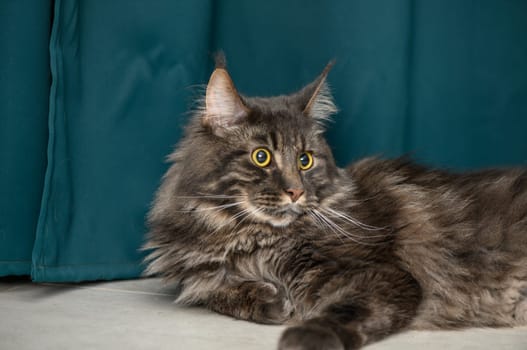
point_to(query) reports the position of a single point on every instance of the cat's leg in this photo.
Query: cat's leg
(255, 301)
(356, 310)
(520, 311)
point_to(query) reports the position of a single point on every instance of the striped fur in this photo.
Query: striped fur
(367, 251)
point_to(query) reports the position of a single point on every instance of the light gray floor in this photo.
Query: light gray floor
(140, 315)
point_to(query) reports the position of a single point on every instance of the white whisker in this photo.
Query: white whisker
(217, 208)
(211, 196)
(249, 213)
(321, 224)
(352, 220)
(231, 219)
(336, 228)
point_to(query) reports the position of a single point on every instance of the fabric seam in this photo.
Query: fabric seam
(56, 70)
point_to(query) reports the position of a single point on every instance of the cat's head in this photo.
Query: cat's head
(256, 159)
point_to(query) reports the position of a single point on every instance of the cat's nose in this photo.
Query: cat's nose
(294, 193)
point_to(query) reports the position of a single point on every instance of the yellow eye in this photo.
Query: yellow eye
(305, 160)
(261, 157)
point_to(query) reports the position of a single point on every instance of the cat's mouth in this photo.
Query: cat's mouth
(290, 209)
(279, 217)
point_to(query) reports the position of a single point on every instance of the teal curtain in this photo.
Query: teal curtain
(24, 93)
(94, 94)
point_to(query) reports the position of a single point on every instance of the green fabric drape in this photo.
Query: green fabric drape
(120, 72)
(24, 92)
(443, 81)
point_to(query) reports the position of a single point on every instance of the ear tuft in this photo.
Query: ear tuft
(220, 60)
(224, 108)
(321, 105)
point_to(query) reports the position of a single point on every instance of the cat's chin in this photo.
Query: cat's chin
(281, 218)
(282, 222)
(277, 221)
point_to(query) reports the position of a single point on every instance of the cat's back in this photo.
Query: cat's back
(463, 236)
(484, 208)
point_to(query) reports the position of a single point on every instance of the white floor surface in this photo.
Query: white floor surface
(139, 314)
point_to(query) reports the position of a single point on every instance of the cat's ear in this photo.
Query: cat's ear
(224, 109)
(317, 99)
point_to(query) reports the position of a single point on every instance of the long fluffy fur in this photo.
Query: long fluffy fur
(368, 251)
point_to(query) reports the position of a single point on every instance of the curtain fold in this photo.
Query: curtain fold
(24, 92)
(443, 81)
(120, 75)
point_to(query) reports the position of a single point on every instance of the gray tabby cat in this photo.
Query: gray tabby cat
(254, 220)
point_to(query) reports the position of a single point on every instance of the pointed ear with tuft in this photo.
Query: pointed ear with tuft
(224, 109)
(317, 99)
(220, 60)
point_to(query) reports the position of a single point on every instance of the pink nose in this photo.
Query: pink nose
(294, 193)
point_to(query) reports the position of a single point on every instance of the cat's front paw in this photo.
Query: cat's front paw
(267, 303)
(309, 337)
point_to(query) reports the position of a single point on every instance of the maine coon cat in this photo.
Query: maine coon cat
(254, 220)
